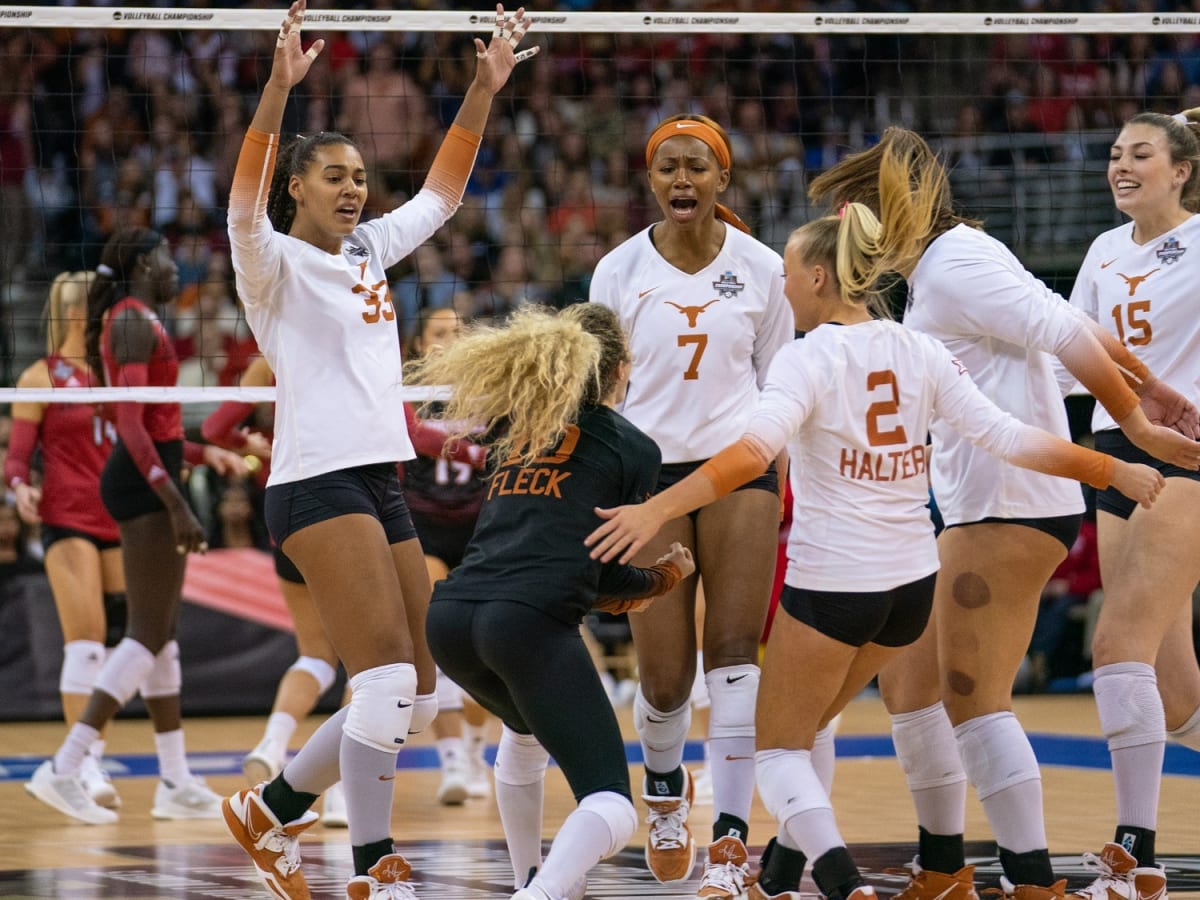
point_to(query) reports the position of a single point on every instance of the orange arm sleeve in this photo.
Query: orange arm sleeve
(453, 164)
(735, 465)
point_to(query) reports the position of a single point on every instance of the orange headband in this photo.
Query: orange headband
(691, 128)
(711, 137)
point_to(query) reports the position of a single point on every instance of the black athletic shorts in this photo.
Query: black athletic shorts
(443, 539)
(285, 568)
(125, 493)
(1115, 443)
(892, 618)
(1062, 528)
(673, 473)
(52, 534)
(372, 490)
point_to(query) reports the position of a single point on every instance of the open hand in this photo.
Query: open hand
(291, 62)
(498, 58)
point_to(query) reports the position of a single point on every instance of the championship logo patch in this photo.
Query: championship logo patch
(1170, 251)
(728, 285)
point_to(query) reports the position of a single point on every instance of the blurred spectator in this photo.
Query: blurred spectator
(508, 287)
(430, 285)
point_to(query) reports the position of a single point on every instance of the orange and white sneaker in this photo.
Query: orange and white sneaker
(1119, 877)
(670, 847)
(388, 879)
(755, 892)
(925, 884)
(727, 870)
(273, 847)
(1056, 891)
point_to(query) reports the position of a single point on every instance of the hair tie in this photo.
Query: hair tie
(841, 213)
(102, 269)
(1181, 118)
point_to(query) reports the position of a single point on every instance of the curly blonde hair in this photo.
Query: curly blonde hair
(523, 382)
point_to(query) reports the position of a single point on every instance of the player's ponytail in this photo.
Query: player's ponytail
(1183, 140)
(523, 382)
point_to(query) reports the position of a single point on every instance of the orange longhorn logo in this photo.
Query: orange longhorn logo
(692, 312)
(1135, 280)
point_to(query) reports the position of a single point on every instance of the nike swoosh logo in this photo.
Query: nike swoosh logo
(729, 758)
(387, 777)
(400, 704)
(654, 720)
(1105, 265)
(648, 291)
(684, 124)
(730, 679)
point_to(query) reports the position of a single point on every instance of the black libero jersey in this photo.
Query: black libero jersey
(528, 542)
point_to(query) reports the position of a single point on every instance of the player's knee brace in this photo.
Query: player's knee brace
(165, 679)
(125, 670)
(995, 753)
(660, 730)
(322, 672)
(1188, 734)
(449, 694)
(1130, 708)
(926, 749)
(425, 710)
(733, 691)
(618, 814)
(82, 662)
(520, 759)
(381, 706)
(788, 783)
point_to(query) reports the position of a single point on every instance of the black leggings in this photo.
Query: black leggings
(535, 673)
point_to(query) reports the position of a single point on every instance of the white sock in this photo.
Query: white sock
(583, 841)
(96, 751)
(823, 758)
(1132, 718)
(280, 728)
(74, 748)
(450, 748)
(172, 757)
(1001, 765)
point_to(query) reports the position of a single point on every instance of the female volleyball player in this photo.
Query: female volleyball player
(80, 539)
(702, 302)
(142, 490)
(1138, 282)
(1007, 528)
(852, 403)
(505, 624)
(312, 277)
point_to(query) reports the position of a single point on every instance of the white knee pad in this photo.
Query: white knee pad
(166, 678)
(425, 710)
(699, 698)
(733, 691)
(788, 783)
(660, 730)
(82, 662)
(449, 694)
(1188, 734)
(127, 666)
(618, 814)
(926, 749)
(995, 753)
(381, 706)
(1130, 707)
(520, 759)
(322, 672)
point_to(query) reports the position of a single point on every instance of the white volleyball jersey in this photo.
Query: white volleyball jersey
(1146, 296)
(701, 343)
(853, 405)
(326, 325)
(971, 293)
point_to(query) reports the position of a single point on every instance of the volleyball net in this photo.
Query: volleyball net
(113, 116)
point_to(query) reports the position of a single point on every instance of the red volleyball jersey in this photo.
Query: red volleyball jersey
(163, 421)
(75, 443)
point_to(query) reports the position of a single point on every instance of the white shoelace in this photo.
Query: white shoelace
(394, 890)
(727, 876)
(668, 831)
(1105, 878)
(277, 841)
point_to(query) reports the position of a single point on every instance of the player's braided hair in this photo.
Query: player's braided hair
(294, 159)
(113, 277)
(523, 382)
(68, 289)
(1183, 141)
